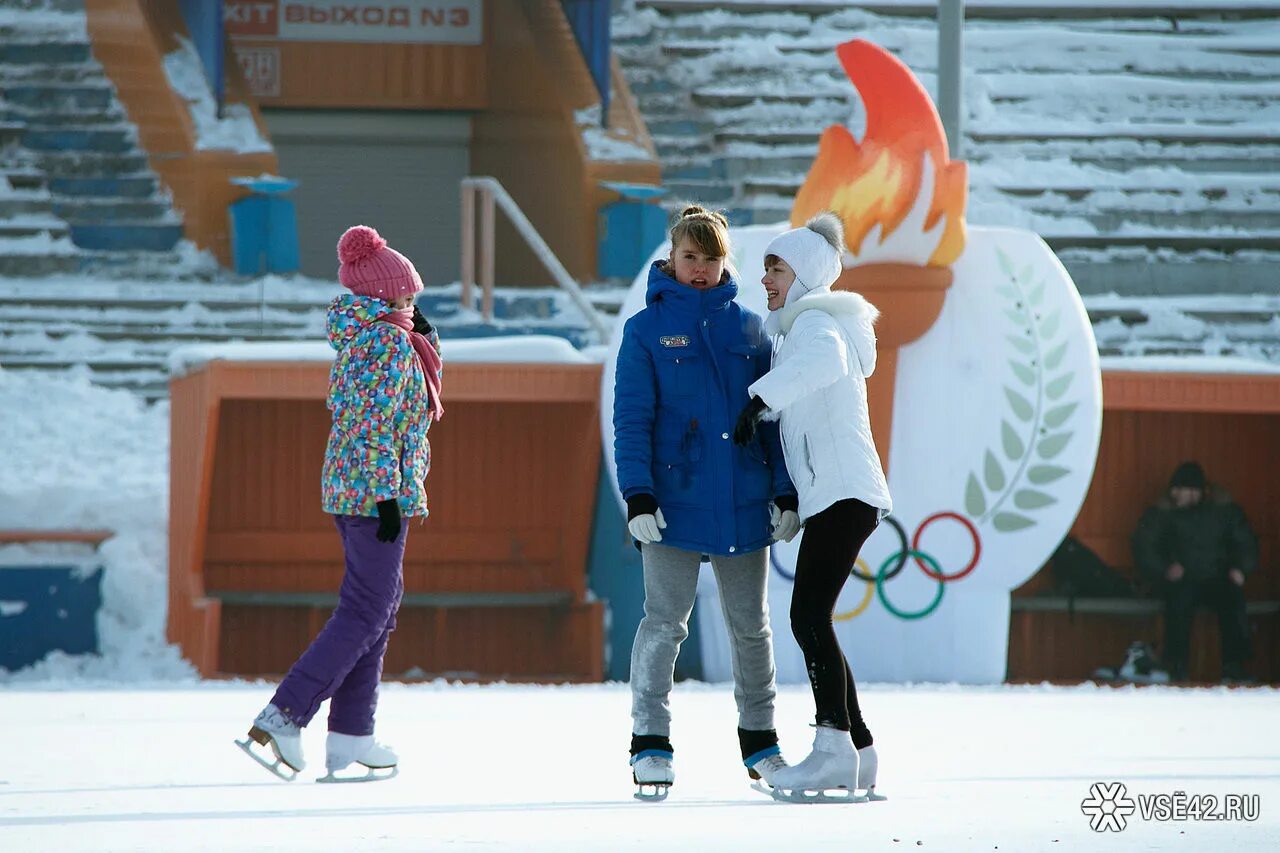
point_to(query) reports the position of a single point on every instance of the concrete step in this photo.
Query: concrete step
(15, 265)
(146, 266)
(15, 207)
(32, 226)
(115, 140)
(89, 163)
(1134, 271)
(44, 53)
(59, 96)
(86, 73)
(706, 191)
(81, 209)
(118, 186)
(21, 178)
(154, 236)
(108, 119)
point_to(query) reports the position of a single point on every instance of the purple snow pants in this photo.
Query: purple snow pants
(344, 662)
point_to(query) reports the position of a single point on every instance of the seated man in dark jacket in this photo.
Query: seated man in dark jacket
(1197, 546)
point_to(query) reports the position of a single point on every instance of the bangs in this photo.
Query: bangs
(709, 237)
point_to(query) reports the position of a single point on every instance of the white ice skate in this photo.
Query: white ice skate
(341, 751)
(762, 767)
(273, 729)
(868, 763)
(653, 774)
(828, 775)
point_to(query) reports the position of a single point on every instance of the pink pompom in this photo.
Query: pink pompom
(358, 243)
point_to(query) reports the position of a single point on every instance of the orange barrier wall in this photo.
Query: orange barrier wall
(495, 579)
(130, 38)
(1151, 422)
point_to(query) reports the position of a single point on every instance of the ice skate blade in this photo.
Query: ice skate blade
(873, 797)
(279, 769)
(651, 792)
(374, 774)
(814, 796)
(763, 788)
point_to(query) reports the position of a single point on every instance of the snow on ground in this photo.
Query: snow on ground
(79, 456)
(545, 769)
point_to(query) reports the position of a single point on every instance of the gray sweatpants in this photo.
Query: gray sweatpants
(670, 583)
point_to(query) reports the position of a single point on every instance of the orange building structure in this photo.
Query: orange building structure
(495, 579)
(382, 131)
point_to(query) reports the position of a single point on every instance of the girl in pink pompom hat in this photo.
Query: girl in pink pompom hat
(384, 394)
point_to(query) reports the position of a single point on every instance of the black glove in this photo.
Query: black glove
(420, 324)
(745, 430)
(388, 520)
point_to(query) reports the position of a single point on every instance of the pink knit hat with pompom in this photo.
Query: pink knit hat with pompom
(372, 268)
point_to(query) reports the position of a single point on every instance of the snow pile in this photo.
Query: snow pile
(514, 349)
(236, 131)
(80, 457)
(615, 145)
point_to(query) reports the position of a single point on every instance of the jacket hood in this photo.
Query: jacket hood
(665, 289)
(852, 311)
(349, 314)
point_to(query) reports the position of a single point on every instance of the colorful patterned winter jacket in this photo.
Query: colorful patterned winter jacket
(378, 446)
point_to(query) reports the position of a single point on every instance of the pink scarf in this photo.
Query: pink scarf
(427, 354)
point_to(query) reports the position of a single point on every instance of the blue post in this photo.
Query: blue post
(590, 22)
(205, 24)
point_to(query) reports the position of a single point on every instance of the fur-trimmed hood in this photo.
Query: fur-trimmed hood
(852, 311)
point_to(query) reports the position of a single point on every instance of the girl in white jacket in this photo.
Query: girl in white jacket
(817, 388)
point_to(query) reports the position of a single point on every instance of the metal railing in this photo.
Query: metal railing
(491, 194)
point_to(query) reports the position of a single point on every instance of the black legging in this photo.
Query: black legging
(832, 540)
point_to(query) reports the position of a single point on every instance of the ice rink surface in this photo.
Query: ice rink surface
(545, 769)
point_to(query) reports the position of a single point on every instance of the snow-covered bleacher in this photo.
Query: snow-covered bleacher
(1141, 139)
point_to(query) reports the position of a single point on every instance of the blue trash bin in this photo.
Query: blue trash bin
(264, 227)
(629, 229)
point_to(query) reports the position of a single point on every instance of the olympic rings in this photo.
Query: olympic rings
(930, 607)
(901, 555)
(867, 590)
(838, 617)
(927, 563)
(939, 575)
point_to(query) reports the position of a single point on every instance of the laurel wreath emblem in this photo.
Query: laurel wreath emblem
(1035, 429)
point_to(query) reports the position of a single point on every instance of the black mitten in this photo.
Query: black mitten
(388, 520)
(420, 324)
(745, 430)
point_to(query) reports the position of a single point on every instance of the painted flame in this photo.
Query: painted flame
(876, 182)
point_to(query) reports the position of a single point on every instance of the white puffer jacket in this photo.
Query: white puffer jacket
(818, 389)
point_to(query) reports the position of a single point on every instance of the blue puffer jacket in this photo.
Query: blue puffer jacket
(683, 370)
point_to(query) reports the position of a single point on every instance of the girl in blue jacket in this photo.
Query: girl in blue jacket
(684, 366)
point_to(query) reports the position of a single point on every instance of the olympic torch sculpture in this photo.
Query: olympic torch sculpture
(985, 404)
(902, 201)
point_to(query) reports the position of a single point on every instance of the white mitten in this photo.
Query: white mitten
(786, 523)
(646, 528)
